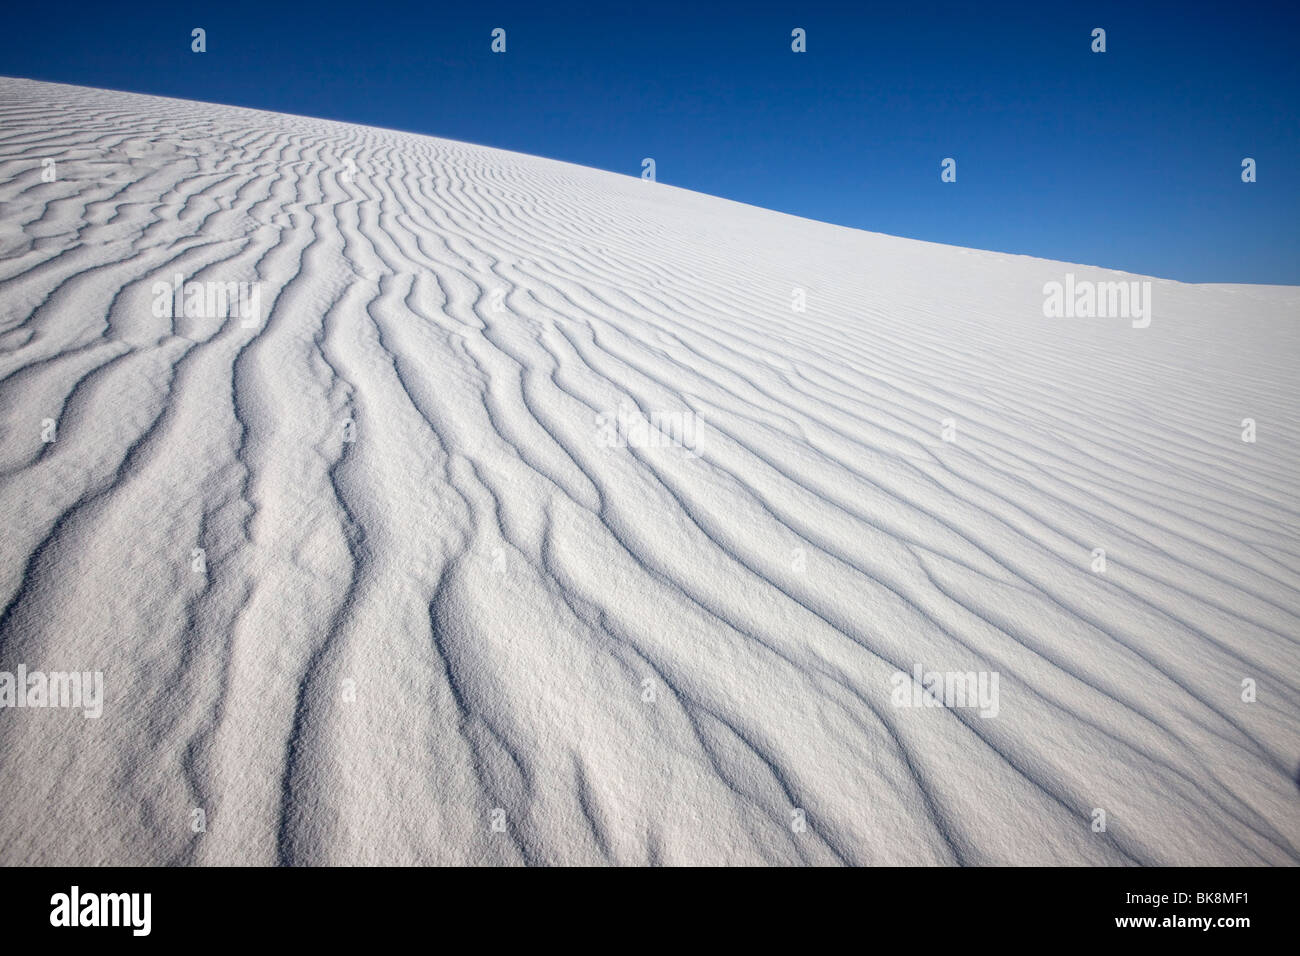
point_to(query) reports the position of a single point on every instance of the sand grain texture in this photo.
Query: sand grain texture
(498, 584)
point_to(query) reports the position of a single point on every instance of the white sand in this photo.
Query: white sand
(388, 638)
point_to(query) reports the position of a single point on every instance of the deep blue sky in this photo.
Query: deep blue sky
(1129, 159)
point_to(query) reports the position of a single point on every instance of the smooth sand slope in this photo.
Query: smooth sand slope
(455, 601)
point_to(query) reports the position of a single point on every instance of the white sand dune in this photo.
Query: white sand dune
(431, 588)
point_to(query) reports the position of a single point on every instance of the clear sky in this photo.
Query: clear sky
(1129, 159)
